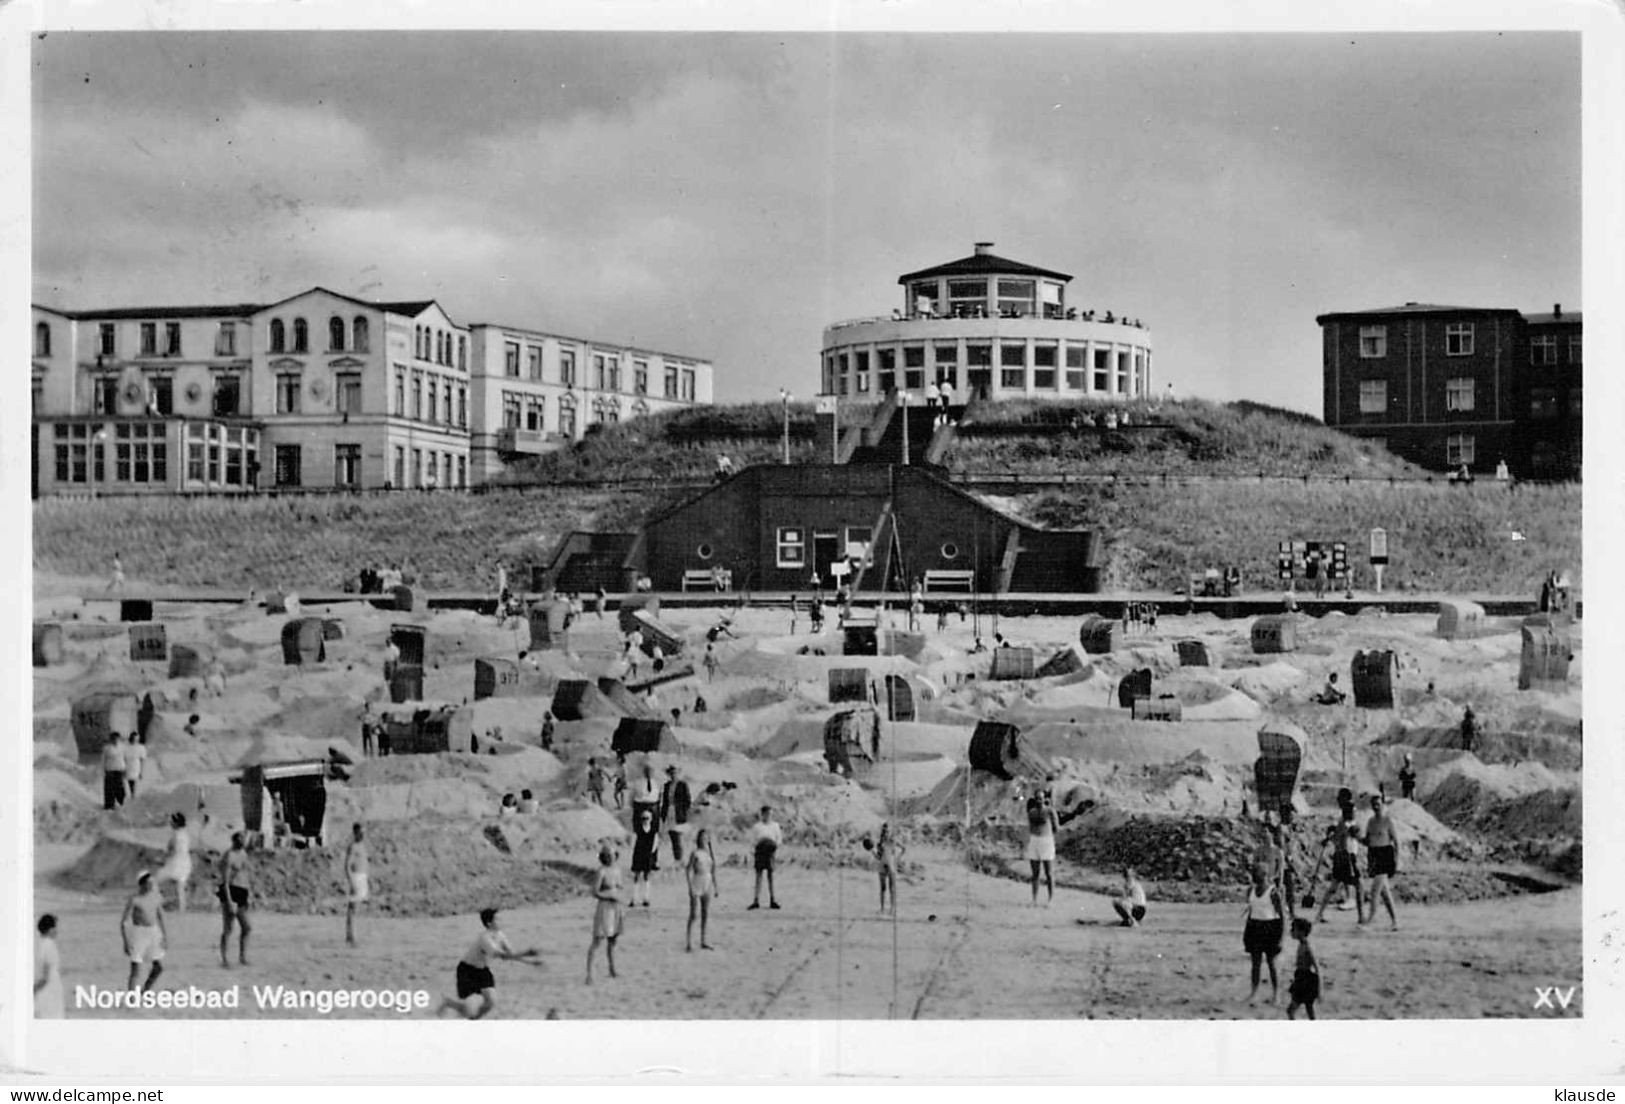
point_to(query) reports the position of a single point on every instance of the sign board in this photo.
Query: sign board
(148, 643)
(1292, 557)
(826, 404)
(1379, 546)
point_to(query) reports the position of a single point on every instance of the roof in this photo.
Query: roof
(409, 307)
(1412, 309)
(1553, 319)
(982, 264)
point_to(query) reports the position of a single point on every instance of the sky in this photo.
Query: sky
(727, 196)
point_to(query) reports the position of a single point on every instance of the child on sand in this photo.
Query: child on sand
(606, 918)
(474, 977)
(887, 852)
(356, 878)
(1130, 907)
(1261, 938)
(1305, 989)
(177, 866)
(702, 886)
(595, 782)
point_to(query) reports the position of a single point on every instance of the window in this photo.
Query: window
(914, 357)
(947, 363)
(417, 342)
(400, 393)
(442, 355)
(1103, 370)
(1044, 367)
(535, 411)
(462, 471)
(400, 466)
(1458, 339)
(347, 387)
(161, 397)
(792, 546)
(417, 396)
(640, 409)
(335, 334)
(106, 397)
(287, 393)
(967, 298)
(445, 401)
(417, 467)
(533, 358)
(567, 367)
(1373, 342)
(1543, 402)
(1122, 373)
(462, 407)
(149, 339)
(1076, 367)
(510, 360)
(567, 418)
(1373, 396)
(858, 539)
(73, 448)
(37, 396)
(225, 339)
(359, 337)
(1574, 349)
(462, 352)
(109, 339)
(671, 383)
(228, 395)
(287, 466)
(688, 385)
(510, 410)
(278, 336)
(1458, 393)
(347, 465)
(640, 377)
(1543, 350)
(1016, 296)
(1459, 449)
(863, 383)
(42, 339)
(599, 371)
(434, 405)
(1013, 367)
(614, 363)
(172, 339)
(301, 336)
(140, 454)
(923, 296)
(1054, 296)
(612, 412)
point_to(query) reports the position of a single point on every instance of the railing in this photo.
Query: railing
(512, 439)
(1071, 314)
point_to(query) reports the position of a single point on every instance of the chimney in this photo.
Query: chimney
(983, 248)
(1557, 310)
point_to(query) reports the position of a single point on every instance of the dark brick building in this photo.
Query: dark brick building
(1443, 386)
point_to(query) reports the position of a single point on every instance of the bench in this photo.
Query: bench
(701, 578)
(962, 581)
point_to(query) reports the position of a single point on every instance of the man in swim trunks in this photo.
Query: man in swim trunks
(1041, 828)
(766, 836)
(234, 898)
(475, 982)
(1382, 859)
(142, 927)
(355, 873)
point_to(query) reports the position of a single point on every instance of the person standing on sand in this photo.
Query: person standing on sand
(645, 841)
(702, 887)
(135, 758)
(1041, 828)
(367, 722)
(234, 897)
(887, 852)
(598, 598)
(49, 992)
(1407, 778)
(474, 977)
(1382, 860)
(595, 781)
(1305, 989)
(766, 838)
(392, 656)
(142, 928)
(607, 916)
(675, 802)
(1343, 839)
(1261, 938)
(113, 772)
(1130, 907)
(711, 663)
(117, 581)
(355, 874)
(177, 866)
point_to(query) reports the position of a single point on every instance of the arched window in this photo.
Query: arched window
(301, 336)
(439, 347)
(640, 409)
(279, 339)
(359, 334)
(417, 342)
(42, 339)
(335, 334)
(462, 352)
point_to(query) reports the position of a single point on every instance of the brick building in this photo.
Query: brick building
(1444, 386)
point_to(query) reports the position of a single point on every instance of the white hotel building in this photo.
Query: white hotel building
(994, 329)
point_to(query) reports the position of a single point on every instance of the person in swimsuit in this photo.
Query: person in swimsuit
(1305, 989)
(606, 918)
(142, 928)
(1130, 907)
(595, 782)
(49, 993)
(474, 977)
(766, 836)
(234, 897)
(887, 852)
(1041, 828)
(1407, 778)
(645, 840)
(177, 866)
(702, 886)
(355, 873)
(1344, 839)
(1261, 938)
(1382, 860)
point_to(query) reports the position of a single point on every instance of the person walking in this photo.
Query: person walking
(1305, 988)
(1344, 839)
(1407, 779)
(474, 977)
(607, 916)
(1041, 828)
(595, 781)
(117, 581)
(766, 838)
(356, 879)
(1261, 938)
(142, 928)
(645, 842)
(702, 887)
(711, 663)
(235, 895)
(177, 865)
(113, 772)
(49, 992)
(368, 730)
(135, 760)
(1382, 860)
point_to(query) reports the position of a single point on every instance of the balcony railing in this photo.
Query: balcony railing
(1070, 314)
(522, 442)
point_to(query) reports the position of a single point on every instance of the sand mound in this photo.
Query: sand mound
(1146, 743)
(1266, 683)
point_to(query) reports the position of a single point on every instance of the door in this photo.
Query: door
(826, 550)
(981, 382)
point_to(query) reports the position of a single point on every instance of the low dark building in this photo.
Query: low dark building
(1444, 386)
(783, 528)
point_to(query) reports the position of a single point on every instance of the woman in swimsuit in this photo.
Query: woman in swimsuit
(702, 886)
(606, 918)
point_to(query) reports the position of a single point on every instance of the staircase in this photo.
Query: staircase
(880, 544)
(927, 442)
(597, 561)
